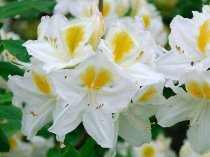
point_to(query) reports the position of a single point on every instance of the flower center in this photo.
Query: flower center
(198, 90)
(106, 9)
(96, 80)
(74, 37)
(148, 151)
(204, 36)
(148, 94)
(147, 20)
(122, 43)
(42, 83)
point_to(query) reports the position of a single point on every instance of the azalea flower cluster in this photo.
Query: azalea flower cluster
(110, 76)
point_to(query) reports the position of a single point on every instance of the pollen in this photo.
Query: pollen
(74, 36)
(148, 151)
(194, 88)
(96, 79)
(147, 20)
(12, 143)
(204, 36)
(42, 83)
(106, 9)
(148, 94)
(122, 43)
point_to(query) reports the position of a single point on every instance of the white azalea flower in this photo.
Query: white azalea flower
(41, 146)
(34, 94)
(189, 40)
(62, 43)
(186, 151)
(18, 147)
(158, 148)
(133, 51)
(134, 124)
(153, 22)
(193, 105)
(94, 93)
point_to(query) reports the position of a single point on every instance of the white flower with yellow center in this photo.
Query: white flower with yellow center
(94, 93)
(34, 94)
(133, 51)
(61, 43)
(134, 123)
(190, 43)
(187, 151)
(158, 148)
(192, 104)
(152, 20)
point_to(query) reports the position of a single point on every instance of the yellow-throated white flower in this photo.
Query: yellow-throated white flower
(191, 104)
(34, 93)
(133, 51)
(190, 44)
(62, 43)
(94, 93)
(134, 123)
(158, 148)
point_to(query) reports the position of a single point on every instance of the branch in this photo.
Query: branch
(82, 141)
(100, 5)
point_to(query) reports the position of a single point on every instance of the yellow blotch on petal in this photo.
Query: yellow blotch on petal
(88, 76)
(74, 36)
(204, 36)
(147, 20)
(148, 94)
(96, 79)
(122, 43)
(104, 76)
(106, 9)
(148, 151)
(206, 89)
(42, 83)
(194, 88)
(12, 143)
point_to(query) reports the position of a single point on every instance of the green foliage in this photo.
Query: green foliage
(15, 8)
(7, 69)
(16, 49)
(5, 98)
(4, 144)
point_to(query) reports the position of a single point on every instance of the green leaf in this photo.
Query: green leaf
(7, 69)
(54, 153)
(4, 143)
(16, 49)
(88, 148)
(16, 8)
(71, 152)
(5, 98)
(10, 113)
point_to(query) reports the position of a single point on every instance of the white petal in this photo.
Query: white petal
(175, 110)
(198, 134)
(100, 126)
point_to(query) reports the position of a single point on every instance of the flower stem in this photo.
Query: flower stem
(82, 141)
(100, 5)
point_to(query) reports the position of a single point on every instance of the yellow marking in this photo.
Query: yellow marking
(96, 80)
(148, 94)
(206, 89)
(88, 76)
(106, 9)
(148, 151)
(74, 36)
(12, 143)
(147, 20)
(204, 36)
(42, 83)
(194, 88)
(122, 43)
(104, 76)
